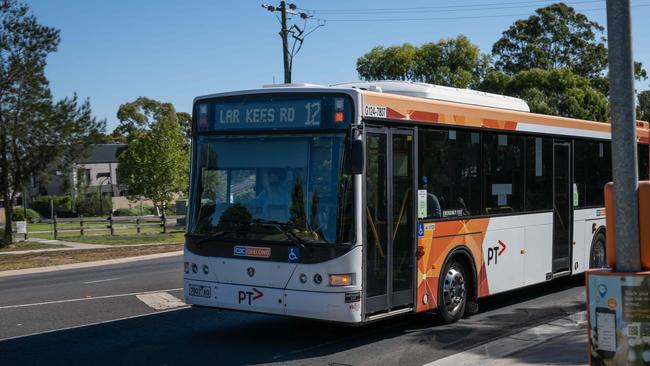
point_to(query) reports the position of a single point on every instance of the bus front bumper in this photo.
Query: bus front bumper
(331, 306)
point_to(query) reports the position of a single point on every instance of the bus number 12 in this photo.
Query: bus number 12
(313, 114)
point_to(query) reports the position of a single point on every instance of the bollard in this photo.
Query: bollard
(81, 225)
(137, 224)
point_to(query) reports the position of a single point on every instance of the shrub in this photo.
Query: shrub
(125, 212)
(28, 215)
(63, 206)
(90, 206)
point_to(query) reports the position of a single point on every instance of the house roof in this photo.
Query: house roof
(103, 153)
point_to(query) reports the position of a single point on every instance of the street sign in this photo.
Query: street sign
(21, 227)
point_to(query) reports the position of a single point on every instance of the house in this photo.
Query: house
(95, 173)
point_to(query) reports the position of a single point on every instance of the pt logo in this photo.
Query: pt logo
(250, 296)
(495, 252)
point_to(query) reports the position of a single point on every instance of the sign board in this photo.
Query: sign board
(21, 227)
(422, 203)
(619, 317)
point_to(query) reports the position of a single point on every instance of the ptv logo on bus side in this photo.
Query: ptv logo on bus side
(494, 253)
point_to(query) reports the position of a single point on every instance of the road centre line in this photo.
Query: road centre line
(86, 299)
(104, 280)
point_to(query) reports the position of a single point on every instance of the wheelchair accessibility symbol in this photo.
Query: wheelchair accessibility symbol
(294, 254)
(420, 230)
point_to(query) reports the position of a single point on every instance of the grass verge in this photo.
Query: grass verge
(30, 246)
(174, 237)
(32, 260)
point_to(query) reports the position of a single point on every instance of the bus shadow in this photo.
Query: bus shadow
(232, 338)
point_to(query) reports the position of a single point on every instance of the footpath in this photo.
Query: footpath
(559, 342)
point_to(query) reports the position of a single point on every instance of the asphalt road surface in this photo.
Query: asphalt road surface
(101, 315)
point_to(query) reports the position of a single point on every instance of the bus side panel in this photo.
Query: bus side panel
(538, 248)
(435, 242)
(503, 253)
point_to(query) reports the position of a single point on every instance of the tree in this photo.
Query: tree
(35, 132)
(155, 164)
(555, 37)
(557, 92)
(643, 110)
(137, 116)
(452, 62)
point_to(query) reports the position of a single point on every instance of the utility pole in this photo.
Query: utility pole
(285, 43)
(624, 144)
(294, 31)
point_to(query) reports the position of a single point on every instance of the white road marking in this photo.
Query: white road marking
(160, 300)
(85, 299)
(492, 353)
(104, 280)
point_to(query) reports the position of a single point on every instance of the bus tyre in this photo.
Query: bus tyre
(598, 256)
(452, 292)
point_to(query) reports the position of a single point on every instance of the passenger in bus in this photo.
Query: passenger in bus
(433, 204)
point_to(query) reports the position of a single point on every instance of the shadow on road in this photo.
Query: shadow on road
(224, 337)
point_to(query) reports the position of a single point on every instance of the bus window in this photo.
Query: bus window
(449, 162)
(504, 173)
(539, 173)
(592, 169)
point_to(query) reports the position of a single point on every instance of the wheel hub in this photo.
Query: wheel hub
(453, 291)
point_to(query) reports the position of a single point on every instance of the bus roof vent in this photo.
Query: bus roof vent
(292, 85)
(437, 92)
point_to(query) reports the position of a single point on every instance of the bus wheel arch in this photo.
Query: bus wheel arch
(598, 249)
(459, 264)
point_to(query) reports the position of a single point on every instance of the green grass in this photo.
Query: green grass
(172, 237)
(30, 246)
(20, 261)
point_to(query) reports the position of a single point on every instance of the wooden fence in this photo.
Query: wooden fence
(112, 224)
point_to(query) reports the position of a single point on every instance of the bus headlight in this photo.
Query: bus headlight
(341, 279)
(186, 267)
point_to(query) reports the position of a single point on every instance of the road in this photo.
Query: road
(93, 316)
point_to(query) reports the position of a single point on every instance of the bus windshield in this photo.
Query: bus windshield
(273, 188)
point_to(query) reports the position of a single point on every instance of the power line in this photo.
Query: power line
(495, 6)
(452, 18)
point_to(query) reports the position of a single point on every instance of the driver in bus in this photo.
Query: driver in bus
(274, 199)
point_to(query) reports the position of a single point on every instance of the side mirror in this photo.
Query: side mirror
(356, 157)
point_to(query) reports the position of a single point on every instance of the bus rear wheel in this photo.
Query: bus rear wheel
(598, 257)
(452, 292)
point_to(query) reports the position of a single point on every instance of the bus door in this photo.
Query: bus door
(390, 219)
(562, 206)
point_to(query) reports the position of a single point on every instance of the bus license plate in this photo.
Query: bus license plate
(199, 291)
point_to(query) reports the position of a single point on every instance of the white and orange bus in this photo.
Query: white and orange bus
(365, 200)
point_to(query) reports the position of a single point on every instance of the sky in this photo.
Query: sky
(114, 51)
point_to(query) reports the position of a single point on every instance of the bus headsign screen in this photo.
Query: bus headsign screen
(275, 113)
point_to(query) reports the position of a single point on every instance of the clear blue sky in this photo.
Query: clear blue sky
(172, 50)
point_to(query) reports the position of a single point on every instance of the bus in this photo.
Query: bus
(361, 201)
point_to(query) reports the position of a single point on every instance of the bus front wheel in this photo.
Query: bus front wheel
(452, 291)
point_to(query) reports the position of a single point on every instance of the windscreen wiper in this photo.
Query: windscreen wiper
(284, 229)
(214, 236)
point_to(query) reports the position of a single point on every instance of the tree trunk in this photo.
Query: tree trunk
(9, 211)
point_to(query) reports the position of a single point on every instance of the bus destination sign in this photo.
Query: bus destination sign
(304, 113)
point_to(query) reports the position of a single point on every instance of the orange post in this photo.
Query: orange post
(644, 224)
